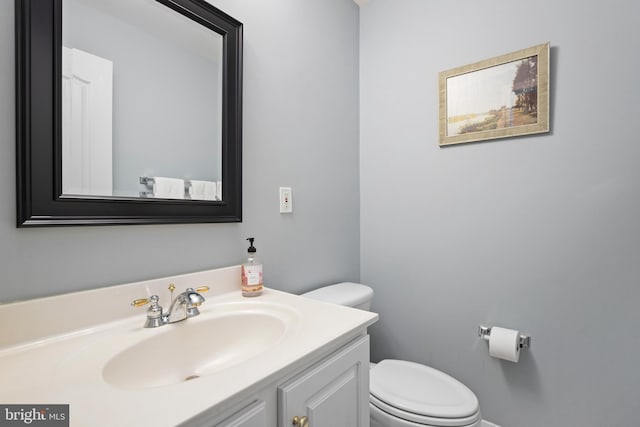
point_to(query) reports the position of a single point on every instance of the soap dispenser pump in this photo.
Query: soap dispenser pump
(251, 273)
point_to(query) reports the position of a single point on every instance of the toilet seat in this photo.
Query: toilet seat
(422, 395)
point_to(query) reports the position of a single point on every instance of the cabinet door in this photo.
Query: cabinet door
(253, 415)
(333, 393)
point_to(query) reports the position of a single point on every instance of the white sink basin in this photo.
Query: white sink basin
(89, 349)
(198, 346)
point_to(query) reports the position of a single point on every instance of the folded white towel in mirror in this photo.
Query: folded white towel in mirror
(219, 192)
(203, 190)
(168, 188)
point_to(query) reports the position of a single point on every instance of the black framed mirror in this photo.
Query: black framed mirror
(44, 197)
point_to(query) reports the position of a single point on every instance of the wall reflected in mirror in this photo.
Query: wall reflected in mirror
(141, 102)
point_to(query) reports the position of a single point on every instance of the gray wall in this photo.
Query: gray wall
(536, 233)
(300, 130)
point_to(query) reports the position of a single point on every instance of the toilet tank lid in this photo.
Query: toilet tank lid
(347, 293)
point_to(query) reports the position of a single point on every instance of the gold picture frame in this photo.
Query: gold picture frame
(499, 97)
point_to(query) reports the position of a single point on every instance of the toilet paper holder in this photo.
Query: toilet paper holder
(484, 332)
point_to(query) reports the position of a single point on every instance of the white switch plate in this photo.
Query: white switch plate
(286, 201)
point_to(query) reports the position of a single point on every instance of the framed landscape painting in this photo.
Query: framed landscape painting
(496, 98)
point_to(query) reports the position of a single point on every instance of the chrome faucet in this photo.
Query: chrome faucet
(182, 307)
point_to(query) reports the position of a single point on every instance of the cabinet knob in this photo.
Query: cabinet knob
(301, 421)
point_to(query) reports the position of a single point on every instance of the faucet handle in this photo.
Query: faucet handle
(154, 312)
(140, 302)
(202, 289)
(153, 300)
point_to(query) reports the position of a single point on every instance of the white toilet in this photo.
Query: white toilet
(407, 394)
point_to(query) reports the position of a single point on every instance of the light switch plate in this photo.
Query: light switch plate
(286, 201)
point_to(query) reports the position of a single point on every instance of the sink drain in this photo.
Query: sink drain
(192, 377)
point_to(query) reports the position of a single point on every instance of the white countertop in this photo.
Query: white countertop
(66, 365)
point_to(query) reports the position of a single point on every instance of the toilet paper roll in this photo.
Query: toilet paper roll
(504, 344)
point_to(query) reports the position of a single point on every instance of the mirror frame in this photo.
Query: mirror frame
(39, 131)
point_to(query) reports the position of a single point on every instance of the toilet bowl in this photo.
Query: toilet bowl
(402, 393)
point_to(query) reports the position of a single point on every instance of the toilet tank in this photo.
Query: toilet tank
(349, 294)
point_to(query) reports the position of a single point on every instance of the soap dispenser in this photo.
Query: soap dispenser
(251, 273)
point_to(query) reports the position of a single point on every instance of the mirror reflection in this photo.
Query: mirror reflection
(141, 102)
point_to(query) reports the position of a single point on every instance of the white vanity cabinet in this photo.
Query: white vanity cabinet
(330, 392)
(253, 415)
(243, 362)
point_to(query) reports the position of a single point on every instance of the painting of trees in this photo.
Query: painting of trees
(499, 97)
(525, 85)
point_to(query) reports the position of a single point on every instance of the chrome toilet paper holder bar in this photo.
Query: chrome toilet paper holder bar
(484, 332)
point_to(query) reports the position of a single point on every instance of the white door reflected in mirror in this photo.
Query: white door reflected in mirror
(87, 113)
